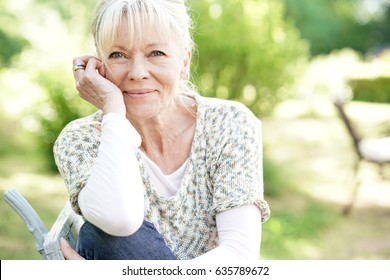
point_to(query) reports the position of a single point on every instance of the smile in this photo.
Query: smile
(138, 93)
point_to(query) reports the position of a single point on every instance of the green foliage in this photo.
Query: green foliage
(371, 90)
(274, 175)
(72, 10)
(10, 47)
(62, 106)
(247, 51)
(11, 44)
(330, 25)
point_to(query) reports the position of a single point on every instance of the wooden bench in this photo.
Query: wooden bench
(374, 150)
(67, 225)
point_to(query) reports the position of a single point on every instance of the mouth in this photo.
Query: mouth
(139, 93)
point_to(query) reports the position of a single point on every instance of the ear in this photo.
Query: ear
(186, 65)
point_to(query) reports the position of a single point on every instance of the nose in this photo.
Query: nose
(138, 69)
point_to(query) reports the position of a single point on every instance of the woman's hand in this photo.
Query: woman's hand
(68, 251)
(93, 86)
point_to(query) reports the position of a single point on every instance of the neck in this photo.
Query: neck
(167, 138)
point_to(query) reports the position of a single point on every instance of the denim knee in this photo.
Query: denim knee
(144, 244)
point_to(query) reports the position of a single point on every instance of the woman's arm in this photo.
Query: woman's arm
(113, 197)
(239, 233)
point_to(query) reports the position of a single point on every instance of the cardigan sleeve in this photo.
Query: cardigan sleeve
(237, 176)
(75, 152)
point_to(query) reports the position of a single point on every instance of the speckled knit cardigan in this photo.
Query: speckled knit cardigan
(224, 171)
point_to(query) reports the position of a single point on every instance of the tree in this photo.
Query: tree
(247, 51)
(11, 43)
(330, 25)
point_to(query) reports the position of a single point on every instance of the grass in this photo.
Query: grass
(314, 157)
(293, 234)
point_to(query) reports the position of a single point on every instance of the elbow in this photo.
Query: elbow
(114, 217)
(123, 226)
(115, 224)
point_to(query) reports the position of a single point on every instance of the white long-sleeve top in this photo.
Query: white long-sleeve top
(113, 198)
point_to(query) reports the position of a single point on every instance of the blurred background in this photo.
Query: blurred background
(285, 59)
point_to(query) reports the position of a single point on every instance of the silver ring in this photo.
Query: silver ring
(79, 66)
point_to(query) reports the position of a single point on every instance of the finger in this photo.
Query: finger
(101, 69)
(68, 252)
(95, 64)
(82, 59)
(80, 65)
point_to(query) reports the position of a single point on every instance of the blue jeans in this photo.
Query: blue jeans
(145, 244)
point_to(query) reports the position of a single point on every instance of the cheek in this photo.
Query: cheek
(170, 75)
(170, 81)
(115, 74)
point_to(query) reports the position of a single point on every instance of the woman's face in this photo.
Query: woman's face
(148, 73)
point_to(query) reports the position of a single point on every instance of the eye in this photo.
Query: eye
(116, 55)
(157, 53)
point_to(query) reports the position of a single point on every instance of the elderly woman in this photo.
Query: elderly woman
(159, 172)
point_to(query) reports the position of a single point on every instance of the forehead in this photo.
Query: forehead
(127, 32)
(129, 36)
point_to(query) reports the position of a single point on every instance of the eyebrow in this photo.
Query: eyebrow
(163, 44)
(149, 45)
